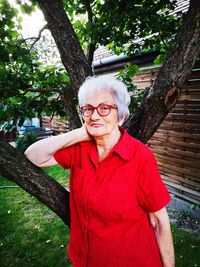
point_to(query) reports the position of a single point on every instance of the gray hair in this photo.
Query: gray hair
(117, 88)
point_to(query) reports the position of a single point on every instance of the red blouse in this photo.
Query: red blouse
(110, 202)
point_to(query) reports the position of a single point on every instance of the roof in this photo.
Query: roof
(104, 56)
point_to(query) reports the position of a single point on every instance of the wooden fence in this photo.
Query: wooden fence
(176, 143)
(57, 124)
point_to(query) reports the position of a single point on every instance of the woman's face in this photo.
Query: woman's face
(97, 125)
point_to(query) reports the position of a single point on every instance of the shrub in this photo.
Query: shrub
(25, 141)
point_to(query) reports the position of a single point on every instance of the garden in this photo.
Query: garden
(36, 79)
(32, 235)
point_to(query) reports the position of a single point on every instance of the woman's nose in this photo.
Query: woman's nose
(95, 115)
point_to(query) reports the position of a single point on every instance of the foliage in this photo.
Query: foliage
(22, 143)
(31, 235)
(27, 88)
(125, 75)
(125, 26)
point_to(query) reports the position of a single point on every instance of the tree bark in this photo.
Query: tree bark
(71, 53)
(160, 99)
(167, 86)
(70, 50)
(15, 167)
(70, 104)
(91, 46)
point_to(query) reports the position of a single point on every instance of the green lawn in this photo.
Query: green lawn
(32, 235)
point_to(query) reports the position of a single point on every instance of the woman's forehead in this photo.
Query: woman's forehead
(99, 96)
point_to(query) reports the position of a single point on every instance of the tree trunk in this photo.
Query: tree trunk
(167, 86)
(70, 104)
(160, 99)
(71, 53)
(15, 167)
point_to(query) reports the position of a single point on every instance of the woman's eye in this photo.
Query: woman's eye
(104, 107)
(87, 109)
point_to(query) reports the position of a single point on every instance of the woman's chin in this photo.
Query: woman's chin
(96, 132)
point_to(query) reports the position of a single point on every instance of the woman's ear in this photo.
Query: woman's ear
(121, 121)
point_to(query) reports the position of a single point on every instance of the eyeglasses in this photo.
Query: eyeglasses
(102, 109)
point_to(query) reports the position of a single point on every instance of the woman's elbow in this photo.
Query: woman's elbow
(32, 156)
(39, 160)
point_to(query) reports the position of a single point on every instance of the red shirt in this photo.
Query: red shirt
(110, 202)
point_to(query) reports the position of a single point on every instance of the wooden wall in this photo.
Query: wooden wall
(176, 144)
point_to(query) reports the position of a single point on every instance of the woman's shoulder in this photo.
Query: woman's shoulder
(139, 148)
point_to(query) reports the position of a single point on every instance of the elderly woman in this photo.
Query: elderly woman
(117, 198)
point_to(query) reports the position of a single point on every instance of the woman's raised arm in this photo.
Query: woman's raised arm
(41, 153)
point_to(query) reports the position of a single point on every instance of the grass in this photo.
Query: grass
(30, 234)
(33, 236)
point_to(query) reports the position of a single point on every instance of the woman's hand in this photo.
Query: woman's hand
(86, 136)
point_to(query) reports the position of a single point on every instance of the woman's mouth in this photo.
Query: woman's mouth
(96, 125)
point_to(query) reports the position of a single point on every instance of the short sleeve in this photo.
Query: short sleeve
(152, 193)
(66, 156)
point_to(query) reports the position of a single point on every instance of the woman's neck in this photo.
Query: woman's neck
(106, 143)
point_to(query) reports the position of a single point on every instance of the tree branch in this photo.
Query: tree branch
(41, 90)
(91, 46)
(39, 35)
(35, 38)
(166, 88)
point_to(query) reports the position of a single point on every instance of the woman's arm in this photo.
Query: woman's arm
(41, 153)
(160, 222)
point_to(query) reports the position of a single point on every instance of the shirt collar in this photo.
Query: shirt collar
(124, 148)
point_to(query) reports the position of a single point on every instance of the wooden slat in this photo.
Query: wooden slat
(194, 173)
(195, 74)
(188, 103)
(191, 199)
(185, 117)
(185, 111)
(182, 125)
(176, 152)
(167, 133)
(186, 106)
(164, 138)
(187, 97)
(172, 146)
(181, 179)
(183, 188)
(178, 168)
(176, 161)
(174, 141)
(191, 85)
(179, 129)
(197, 64)
(191, 91)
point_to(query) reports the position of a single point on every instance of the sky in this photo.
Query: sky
(31, 23)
